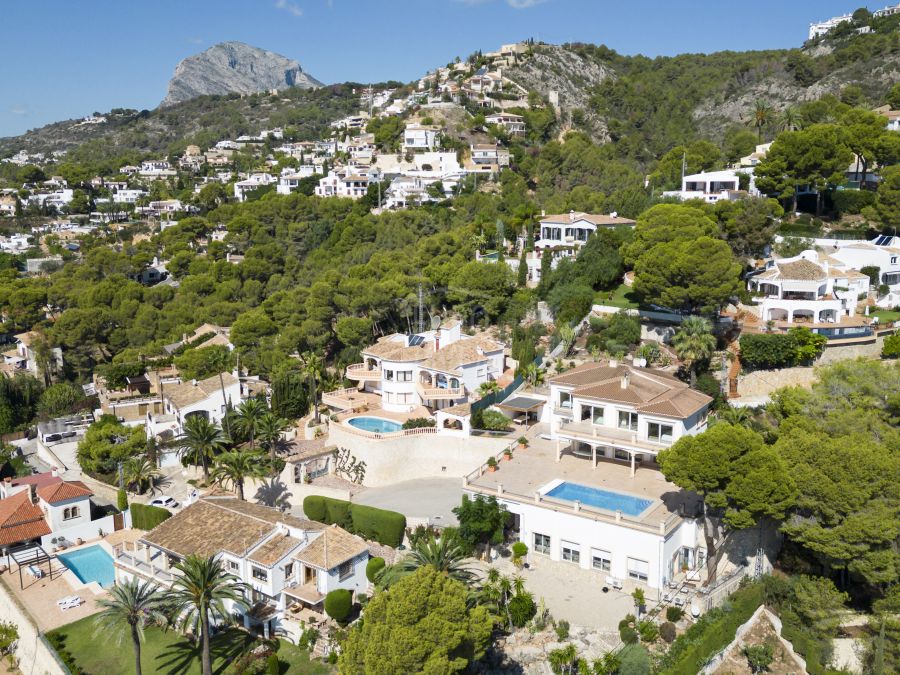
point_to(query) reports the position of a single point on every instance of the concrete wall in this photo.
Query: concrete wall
(425, 456)
(87, 530)
(35, 656)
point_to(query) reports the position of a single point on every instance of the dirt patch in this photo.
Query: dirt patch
(762, 633)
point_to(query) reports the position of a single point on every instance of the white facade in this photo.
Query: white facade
(419, 137)
(289, 182)
(822, 27)
(254, 182)
(713, 186)
(343, 183)
(128, 196)
(513, 124)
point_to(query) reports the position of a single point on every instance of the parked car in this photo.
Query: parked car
(164, 501)
(52, 438)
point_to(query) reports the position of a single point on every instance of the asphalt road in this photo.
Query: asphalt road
(432, 498)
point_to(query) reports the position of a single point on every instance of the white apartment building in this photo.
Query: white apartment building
(282, 559)
(489, 157)
(597, 500)
(343, 183)
(421, 137)
(822, 27)
(808, 288)
(24, 357)
(713, 186)
(437, 369)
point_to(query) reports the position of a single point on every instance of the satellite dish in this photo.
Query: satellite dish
(435, 322)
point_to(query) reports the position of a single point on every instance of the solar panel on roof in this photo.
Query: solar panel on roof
(883, 240)
(416, 340)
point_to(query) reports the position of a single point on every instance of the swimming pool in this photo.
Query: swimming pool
(91, 564)
(374, 424)
(602, 499)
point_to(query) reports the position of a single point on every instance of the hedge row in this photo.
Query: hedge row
(714, 631)
(385, 527)
(144, 517)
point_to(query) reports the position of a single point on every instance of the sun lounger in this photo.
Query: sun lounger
(73, 602)
(66, 600)
(36, 572)
(615, 583)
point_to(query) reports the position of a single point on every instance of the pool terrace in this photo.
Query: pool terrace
(530, 470)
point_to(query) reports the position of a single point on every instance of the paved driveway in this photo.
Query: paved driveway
(429, 498)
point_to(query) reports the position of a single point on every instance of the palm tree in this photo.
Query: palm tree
(488, 388)
(694, 342)
(533, 375)
(739, 417)
(248, 415)
(221, 361)
(200, 442)
(445, 553)
(312, 366)
(134, 604)
(198, 596)
(233, 468)
(790, 120)
(269, 428)
(762, 115)
(564, 659)
(139, 471)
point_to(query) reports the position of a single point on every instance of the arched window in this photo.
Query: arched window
(70, 512)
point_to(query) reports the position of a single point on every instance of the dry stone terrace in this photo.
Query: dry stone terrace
(532, 468)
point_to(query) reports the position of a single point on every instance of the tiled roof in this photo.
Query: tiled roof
(212, 525)
(188, 393)
(21, 519)
(274, 550)
(39, 480)
(460, 353)
(595, 219)
(331, 548)
(63, 491)
(801, 270)
(392, 349)
(646, 389)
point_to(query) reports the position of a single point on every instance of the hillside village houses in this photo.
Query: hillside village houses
(823, 27)
(25, 357)
(284, 560)
(593, 496)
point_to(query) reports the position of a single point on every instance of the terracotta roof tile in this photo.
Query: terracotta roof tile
(21, 519)
(274, 550)
(801, 270)
(63, 491)
(331, 548)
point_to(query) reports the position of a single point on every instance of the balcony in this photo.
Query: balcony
(432, 393)
(609, 436)
(131, 562)
(363, 372)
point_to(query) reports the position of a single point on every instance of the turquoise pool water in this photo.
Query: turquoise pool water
(374, 424)
(91, 564)
(602, 499)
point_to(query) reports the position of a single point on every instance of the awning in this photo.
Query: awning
(308, 593)
(522, 403)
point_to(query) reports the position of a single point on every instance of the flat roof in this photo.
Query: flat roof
(521, 403)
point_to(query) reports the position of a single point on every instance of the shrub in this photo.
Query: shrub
(494, 420)
(273, 665)
(628, 635)
(562, 630)
(873, 272)
(144, 517)
(648, 631)
(627, 622)
(338, 604)
(373, 567)
(521, 609)
(674, 613)
(314, 508)
(121, 499)
(519, 549)
(767, 351)
(385, 527)
(419, 423)
(758, 657)
(667, 631)
(891, 347)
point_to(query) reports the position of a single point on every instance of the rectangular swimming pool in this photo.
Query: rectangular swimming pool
(91, 564)
(601, 499)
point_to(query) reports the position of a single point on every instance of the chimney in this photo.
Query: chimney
(543, 213)
(437, 339)
(54, 471)
(624, 382)
(572, 216)
(194, 382)
(32, 492)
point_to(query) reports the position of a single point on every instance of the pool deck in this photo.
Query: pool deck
(533, 468)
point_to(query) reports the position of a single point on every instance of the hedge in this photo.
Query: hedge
(373, 567)
(714, 631)
(766, 351)
(385, 527)
(144, 517)
(338, 604)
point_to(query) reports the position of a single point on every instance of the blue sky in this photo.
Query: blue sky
(62, 59)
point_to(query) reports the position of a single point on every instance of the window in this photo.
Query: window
(345, 570)
(480, 372)
(638, 569)
(542, 543)
(389, 375)
(571, 552)
(260, 574)
(628, 420)
(71, 512)
(289, 570)
(404, 376)
(659, 433)
(233, 566)
(593, 413)
(389, 396)
(403, 397)
(565, 399)
(601, 560)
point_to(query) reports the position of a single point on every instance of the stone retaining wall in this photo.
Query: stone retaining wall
(35, 656)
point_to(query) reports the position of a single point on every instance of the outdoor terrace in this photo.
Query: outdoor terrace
(363, 371)
(530, 469)
(606, 435)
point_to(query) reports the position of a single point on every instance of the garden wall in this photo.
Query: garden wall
(35, 656)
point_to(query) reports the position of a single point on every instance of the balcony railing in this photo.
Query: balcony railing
(133, 563)
(363, 371)
(610, 436)
(431, 393)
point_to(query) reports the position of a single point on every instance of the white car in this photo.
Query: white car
(164, 501)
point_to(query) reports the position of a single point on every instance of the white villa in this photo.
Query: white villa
(343, 184)
(882, 252)
(24, 357)
(512, 123)
(808, 288)
(284, 560)
(421, 137)
(585, 502)
(254, 182)
(289, 182)
(437, 369)
(713, 186)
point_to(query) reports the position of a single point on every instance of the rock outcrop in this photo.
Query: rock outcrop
(233, 67)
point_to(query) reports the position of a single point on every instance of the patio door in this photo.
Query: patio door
(309, 575)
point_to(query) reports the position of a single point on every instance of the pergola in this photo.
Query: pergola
(30, 557)
(522, 404)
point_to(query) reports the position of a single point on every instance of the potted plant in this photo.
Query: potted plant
(507, 454)
(492, 464)
(519, 549)
(523, 442)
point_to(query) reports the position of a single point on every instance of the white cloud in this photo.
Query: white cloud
(19, 110)
(289, 7)
(523, 4)
(195, 40)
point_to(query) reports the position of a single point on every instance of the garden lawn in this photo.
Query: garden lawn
(885, 315)
(622, 297)
(168, 652)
